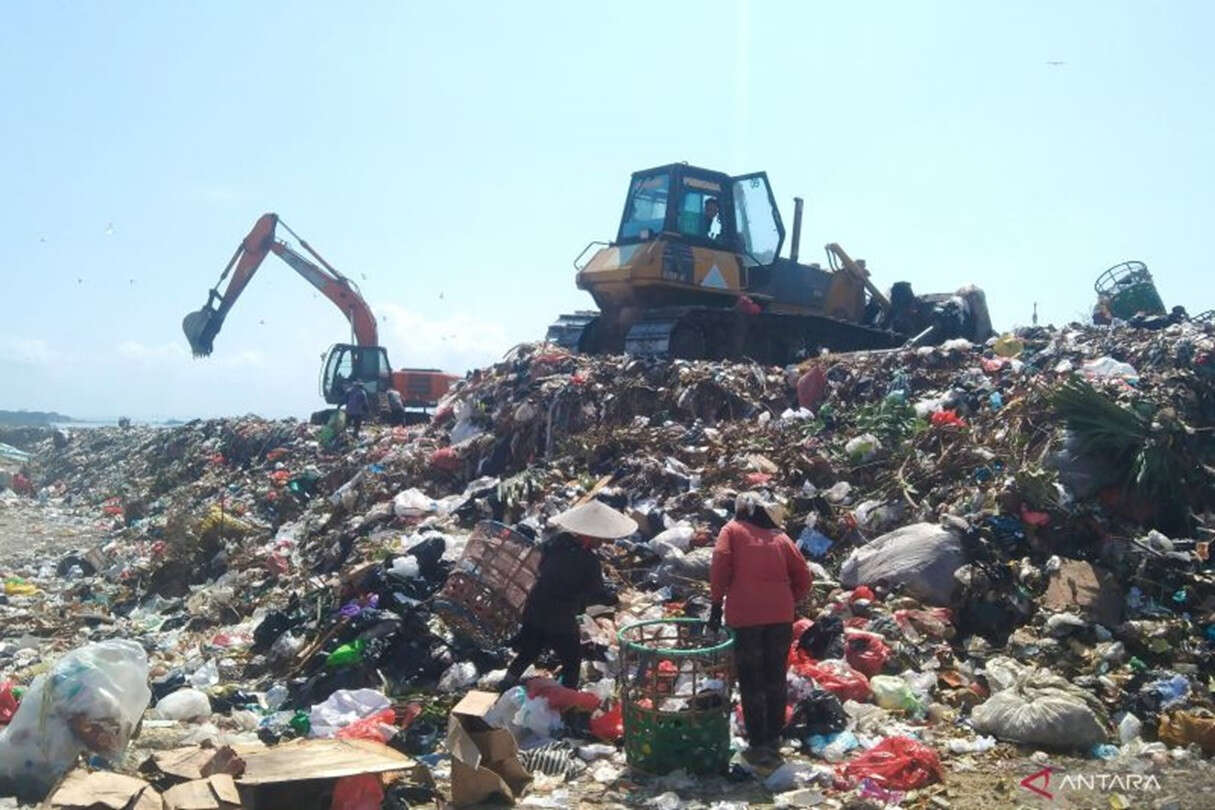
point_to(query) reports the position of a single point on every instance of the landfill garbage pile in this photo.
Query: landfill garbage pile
(1010, 546)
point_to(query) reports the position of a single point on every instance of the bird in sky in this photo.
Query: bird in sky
(1055, 62)
(109, 229)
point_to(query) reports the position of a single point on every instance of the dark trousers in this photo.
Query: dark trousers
(532, 641)
(355, 423)
(761, 655)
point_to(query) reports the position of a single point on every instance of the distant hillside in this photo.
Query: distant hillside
(32, 418)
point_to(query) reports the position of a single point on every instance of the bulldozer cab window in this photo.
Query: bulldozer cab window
(700, 214)
(645, 213)
(760, 232)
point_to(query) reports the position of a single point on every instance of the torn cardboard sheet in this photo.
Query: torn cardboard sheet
(485, 760)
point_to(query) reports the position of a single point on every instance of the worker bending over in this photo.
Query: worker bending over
(570, 578)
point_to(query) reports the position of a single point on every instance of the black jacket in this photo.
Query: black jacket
(570, 579)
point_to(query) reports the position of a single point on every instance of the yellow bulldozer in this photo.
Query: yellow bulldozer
(696, 272)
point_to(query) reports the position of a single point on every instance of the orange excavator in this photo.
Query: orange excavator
(403, 394)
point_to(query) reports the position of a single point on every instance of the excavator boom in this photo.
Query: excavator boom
(202, 326)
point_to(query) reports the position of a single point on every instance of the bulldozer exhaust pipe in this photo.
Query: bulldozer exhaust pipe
(797, 229)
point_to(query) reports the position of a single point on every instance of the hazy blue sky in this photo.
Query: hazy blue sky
(460, 157)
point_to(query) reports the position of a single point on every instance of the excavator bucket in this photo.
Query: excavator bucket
(195, 326)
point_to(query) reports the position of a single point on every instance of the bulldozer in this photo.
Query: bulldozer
(696, 272)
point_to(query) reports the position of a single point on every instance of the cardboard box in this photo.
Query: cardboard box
(485, 760)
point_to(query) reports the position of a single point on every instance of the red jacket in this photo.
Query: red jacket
(759, 572)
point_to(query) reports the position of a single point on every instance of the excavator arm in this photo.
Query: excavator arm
(202, 326)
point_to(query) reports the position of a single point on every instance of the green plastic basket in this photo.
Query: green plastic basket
(675, 689)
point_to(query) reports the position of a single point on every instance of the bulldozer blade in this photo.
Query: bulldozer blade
(194, 325)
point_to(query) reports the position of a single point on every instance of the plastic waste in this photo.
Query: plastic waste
(596, 751)
(892, 692)
(813, 542)
(1129, 728)
(666, 801)
(608, 726)
(832, 747)
(897, 762)
(539, 718)
(276, 696)
(342, 708)
(405, 567)
(378, 727)
(680, 536)
(837, 677)
(346, 655)
(560, 697)
(865, 652)
(921, 557)
(8, 702)
(205, 676)
(413, 503)
(459, 675)
(1107, 368)
(1007, 346)
(184, 704)
(970, 746)
(91, 699)
(788, 776)
(1042, 709)
(862, 448)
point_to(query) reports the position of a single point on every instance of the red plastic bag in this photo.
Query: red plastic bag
(560, 697)
(865, 652)
(609, 726)
(362, 792)
(445, 459)
(897, 762)
(837, 678)
(378, 727)
(947, 419)
(8, 703)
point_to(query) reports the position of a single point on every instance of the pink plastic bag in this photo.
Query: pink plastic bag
(900, 763)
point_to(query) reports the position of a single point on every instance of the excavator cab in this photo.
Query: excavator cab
(346, 363)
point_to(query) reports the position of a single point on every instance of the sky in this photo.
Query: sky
(454, 159)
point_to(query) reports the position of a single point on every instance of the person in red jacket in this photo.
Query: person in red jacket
(761, 576)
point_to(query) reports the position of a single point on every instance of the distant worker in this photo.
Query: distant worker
(570, 578)
(761, 576)
(357, 407)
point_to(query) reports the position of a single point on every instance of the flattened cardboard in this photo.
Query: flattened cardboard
(485, 760)
(301, 760)
(103, 790)
(217, 792)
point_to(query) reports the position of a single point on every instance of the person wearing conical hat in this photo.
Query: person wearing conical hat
(570, 578)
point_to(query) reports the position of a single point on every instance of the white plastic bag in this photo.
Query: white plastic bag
(413, 503)
(680, 536)
(92, 699)
(344, 707)
(184, 704)
(862, 448)
(458, 676)
(922, 557)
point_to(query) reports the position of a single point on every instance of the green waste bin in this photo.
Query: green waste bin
(676, 681)
(1128, 290)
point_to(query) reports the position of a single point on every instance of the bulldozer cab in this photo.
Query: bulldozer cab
(346, 363)
(704, 208)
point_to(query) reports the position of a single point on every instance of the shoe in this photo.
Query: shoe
(762, 758)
